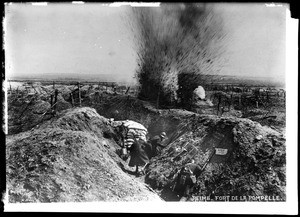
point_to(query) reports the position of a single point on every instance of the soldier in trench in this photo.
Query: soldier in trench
(157, 143)
(186, 179)
(122, 131)
(138, 155)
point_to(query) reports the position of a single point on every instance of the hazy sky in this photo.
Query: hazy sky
(91, 38)
(65, 38)
(257, 45)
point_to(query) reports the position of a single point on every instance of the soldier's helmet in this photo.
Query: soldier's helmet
(163, 134)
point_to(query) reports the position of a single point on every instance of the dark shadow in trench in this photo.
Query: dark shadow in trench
(168, 195)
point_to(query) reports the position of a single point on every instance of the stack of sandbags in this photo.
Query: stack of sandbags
(135, 130)
(132, 130)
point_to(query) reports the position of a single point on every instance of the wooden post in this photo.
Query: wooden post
(55, 99)
(115, 89)
(100, 96)
(127, 90)
(51, 102)
(268, 96)
(96, 96)
(53, 85)
(79, 94)
(231, 102)
(72, 99)
(219, 102)
(9, 87)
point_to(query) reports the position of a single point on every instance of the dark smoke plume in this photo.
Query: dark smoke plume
(176, 44)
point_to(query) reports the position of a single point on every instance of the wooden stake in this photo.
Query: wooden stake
(127, 90)
(219, 102)
(72, 99)
(55, 99)
(231, 101)
(268, 96)
(51, 102)
(79, 94)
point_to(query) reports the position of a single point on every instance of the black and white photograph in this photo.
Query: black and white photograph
(150, 107)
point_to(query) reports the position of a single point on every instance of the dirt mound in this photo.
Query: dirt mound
(69, 158)
(253, 166)
(27, 111)
(24, 113)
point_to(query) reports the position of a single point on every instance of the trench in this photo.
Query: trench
(179, 127)
(200, 135)
(201, 152)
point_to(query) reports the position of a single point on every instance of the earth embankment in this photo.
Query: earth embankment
(242, 158)
(70, 158)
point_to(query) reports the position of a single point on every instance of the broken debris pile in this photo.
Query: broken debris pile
(253, 163)
(69, 158)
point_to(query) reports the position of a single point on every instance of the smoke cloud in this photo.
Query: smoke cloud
(176, 39)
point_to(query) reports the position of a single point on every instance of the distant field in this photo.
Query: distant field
(16, 83)
(109, 80)
(248, 81)
(87, 78)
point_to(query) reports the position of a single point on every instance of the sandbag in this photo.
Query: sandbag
(133, 130)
